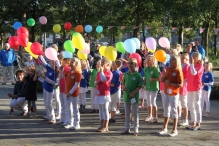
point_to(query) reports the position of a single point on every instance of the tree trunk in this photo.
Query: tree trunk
(180, 39)
(215, 37)
(138, 22)
(205, 41)
(21, 49)
(143, 30)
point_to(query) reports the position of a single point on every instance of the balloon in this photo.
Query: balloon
(160, 55)
(13, 41)
(67, 25)
(23, 30)
(120, 47)
(67, 54)
(28, 47)
(79, 28)
(34, 56)
(30, 22)
(151, 44)
(167, 58)
(17, 25)
(51, 54)
(86, 49)
(130, 46)
(36, 48)
(164, 42)
(99, 29)
(69, 46)
(111, 53)
(82, 55)
(137, 42)
(102, 50)
(56, 28)
(43, 20)
(23, 39)
(137, 57)
(88, 28)
(78, 41)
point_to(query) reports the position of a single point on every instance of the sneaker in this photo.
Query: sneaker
(74, 127)
(117, 112)
(173, 133)
(147, 119)
(206, 114)
(112, 120)
(64, 124)
(3, 83)
(68, 126)
(184, 123)
(164, 131)
(58, 117)
(153, 120)
(12, 83)
(59, 122)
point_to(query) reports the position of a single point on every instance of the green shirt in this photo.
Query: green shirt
(151, 73)
(131, 82)
(93, 73)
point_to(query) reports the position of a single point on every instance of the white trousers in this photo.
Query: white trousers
(73, 117)
(162, 97)
(58, 102)
(82, 98)
(104, 111)
(19, 104)
(48, 98)
(92, 95)
(5, 70)
(170, 105)
(64, 105)
(194, 100)
(183, 101)
(151, 98)
(205, 100)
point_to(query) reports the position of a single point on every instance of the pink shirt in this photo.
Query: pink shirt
(62, 80)
(161, 83)
(194, 82)
(185, 70)
(103, 88)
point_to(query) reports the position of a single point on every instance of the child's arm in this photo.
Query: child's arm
(135, 91)
(35, 77)
(43, 60)
(73, 89)
(163, 77)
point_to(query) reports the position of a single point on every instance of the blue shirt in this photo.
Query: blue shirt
(207, 77)
(7, 57)
(84, 82)
(124, 70)
(116, 81)
(142, 74)
(201, 50)
(52, 75)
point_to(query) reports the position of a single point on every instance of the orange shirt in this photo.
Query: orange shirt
(174, 76)
(70, 79)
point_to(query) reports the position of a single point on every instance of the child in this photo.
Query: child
(207, 81)
(183, 99)
(115, 89)
(31, 94)
(93, 73)
(194, 86)
(151, 85)
(72, 80)
(29, 62)
(142, 91)
(102, 97)
(131, 85)
(173, 80)
(83, 86)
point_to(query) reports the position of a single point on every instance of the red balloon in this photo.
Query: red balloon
(13, 41)
(137, 57)
(23, 39)
(67, 25)
(36, 48)
(23, 30)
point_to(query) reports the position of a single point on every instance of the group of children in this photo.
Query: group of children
(183, 86)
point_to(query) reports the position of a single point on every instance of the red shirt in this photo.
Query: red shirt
(103, 88)
(185, 70)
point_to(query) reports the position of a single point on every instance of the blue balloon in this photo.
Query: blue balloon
(17, 25)
(88, 28)
(130, 46)
(167, 59)
(67, 54)
(137, 42)
(99, 29)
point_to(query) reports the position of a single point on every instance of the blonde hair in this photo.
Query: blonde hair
(106, 61)
(133, 60)
(54, 46)
(178, 48)
(60, 57)
(205, 59)
(154, 59)
(84, 63)
(118, 63)
(178, 61)
(174, 52)
(197, 55)
(210, 65)
(78, 64)
(185, 55)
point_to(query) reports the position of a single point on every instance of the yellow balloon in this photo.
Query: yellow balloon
(102, 50)
(34, 56)
(28, 47)
(78, 42)
(56, 28)
(111, 53)
(82, 55)
(150, 50)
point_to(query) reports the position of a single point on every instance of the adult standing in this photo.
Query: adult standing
(199, 48)
(95, 56)
(7, 58)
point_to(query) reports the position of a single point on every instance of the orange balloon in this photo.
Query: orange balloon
(160, 55)
(79, 28)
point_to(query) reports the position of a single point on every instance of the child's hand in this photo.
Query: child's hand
(10, 95)
(151, 79)
(55, 86)
(101, 69)
(143, 86)
(132, 95)
(123, 88)
(97, 82)
(68, 95)
(167, 82)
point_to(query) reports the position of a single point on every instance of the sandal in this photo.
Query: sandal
(104, 130)
(190, 127)
(196, 128)
(136, 133)
(52, 122)
(125, 132)
(99, 129)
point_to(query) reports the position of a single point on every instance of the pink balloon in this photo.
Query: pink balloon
(137, 57)
(43, 20)
(151, 43)
(86, 49)
(164, 42)
(51, 54)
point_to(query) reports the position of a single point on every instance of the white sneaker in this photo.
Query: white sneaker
(58, 118)
(184, 123)
(68, 126)
(75, 127)
(117, 111)
(175, 133)
(164, 131)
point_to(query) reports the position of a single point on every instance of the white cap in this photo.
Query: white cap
(7, 44)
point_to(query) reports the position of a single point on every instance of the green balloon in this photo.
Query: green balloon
(75, 34)
(69, 46)
(30, 22)
(120, 47)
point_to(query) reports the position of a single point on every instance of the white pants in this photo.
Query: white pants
(58, 102)
(73, 117)
(48, 97)
(151, 98)
(183, 101)
(194, 100)
(82, 98)
(142, 94)
(162, 97)
(64, 105)
(114, 101)
(170, 105)
(104, 111)
(19, 104)
(205, 100)
(5, 70)
(92, 95)
(134, 107)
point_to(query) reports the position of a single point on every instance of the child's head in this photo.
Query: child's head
(31, 68)
(75, 64)
(197, 57)
(175, 61)
(208, 66)
(30, 58)
(105, 63)
(66, 62)
(60, 57)
(132, 64)
(151, 61)
(184, 58)
(52, 63)
(174, 52)
(178, 48)
(145, 63)
(20, 75)
(83, 64)
(98, 64)
(116, 65)
(205, 59)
